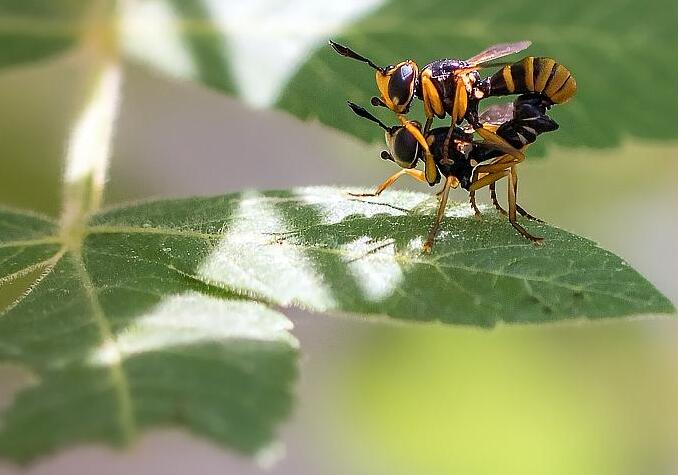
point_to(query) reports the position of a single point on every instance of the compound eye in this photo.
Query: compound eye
(401, 84)
(404, 148)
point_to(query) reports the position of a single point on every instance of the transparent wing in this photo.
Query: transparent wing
(494, 115)
(497, 114)
(498, 51)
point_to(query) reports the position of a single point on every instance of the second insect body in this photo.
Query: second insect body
(465, 161)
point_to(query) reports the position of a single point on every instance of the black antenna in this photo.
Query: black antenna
(360, 111)
(349, 53)
(377, 102)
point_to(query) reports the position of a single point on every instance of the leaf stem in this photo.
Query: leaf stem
(89, 145)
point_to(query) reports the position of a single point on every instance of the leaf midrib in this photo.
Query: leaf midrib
(118, 378)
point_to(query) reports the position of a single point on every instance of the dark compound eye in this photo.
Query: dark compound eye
(401, 84)
(404, 148)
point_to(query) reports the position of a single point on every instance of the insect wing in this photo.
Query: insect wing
(493, 115)
(497, 114)
(498, 51)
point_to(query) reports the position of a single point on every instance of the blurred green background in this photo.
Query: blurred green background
(376, 397)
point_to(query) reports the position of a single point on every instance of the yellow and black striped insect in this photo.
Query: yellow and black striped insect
(467, 162)
(454, 87)
(532, 74)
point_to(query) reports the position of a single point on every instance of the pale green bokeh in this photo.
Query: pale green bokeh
(587, 400)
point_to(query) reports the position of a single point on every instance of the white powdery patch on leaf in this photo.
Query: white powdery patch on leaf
(255, 257)
(151, 34)
(194, 318)
(374, 266)
(335, 204)
(267, 40)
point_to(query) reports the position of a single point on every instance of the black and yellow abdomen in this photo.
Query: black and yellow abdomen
(534, 74)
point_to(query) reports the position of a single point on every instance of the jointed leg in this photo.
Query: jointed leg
(427, 126)
(521, 211)
(500, 143)
(487, 180)
(495, 202)
(512, 190)
(416, 174)
(458, 111)
(446, 143)
(518, 208)
(474, 205)
(430, 169)
(528, 215)
(428, 245)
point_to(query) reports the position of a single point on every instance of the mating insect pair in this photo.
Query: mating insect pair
(454, 87)
(465, 161)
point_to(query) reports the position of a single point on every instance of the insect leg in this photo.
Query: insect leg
(427, 126)
(528, 215)
(520, 210)
(495, 202)
(416, 174)
(500, 143)
(446, 143)
(512, 191)
(428, 244)
(486, 180)
(430, 169)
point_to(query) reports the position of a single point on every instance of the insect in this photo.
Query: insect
(454, 87)
(470, 163)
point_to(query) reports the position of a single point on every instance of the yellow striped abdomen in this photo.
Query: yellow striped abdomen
(534, 74)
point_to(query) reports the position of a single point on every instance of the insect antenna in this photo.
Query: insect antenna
(349, 53)
(360, 111)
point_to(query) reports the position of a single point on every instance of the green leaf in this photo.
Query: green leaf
(31, 30)
(618, 54)
(118, 336)
(279, 56)
(158, 313)
(614, 50)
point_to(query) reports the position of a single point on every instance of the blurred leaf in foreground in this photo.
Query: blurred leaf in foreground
(276, 55)
(31, 30)
(119, 337)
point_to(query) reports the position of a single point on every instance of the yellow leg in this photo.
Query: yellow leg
(491, 168)
(507, 160)
(512, 195)
(428, 245)
(430, 169)
(500, 143)
(477, 184)
(460, 101)
(416, 174)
